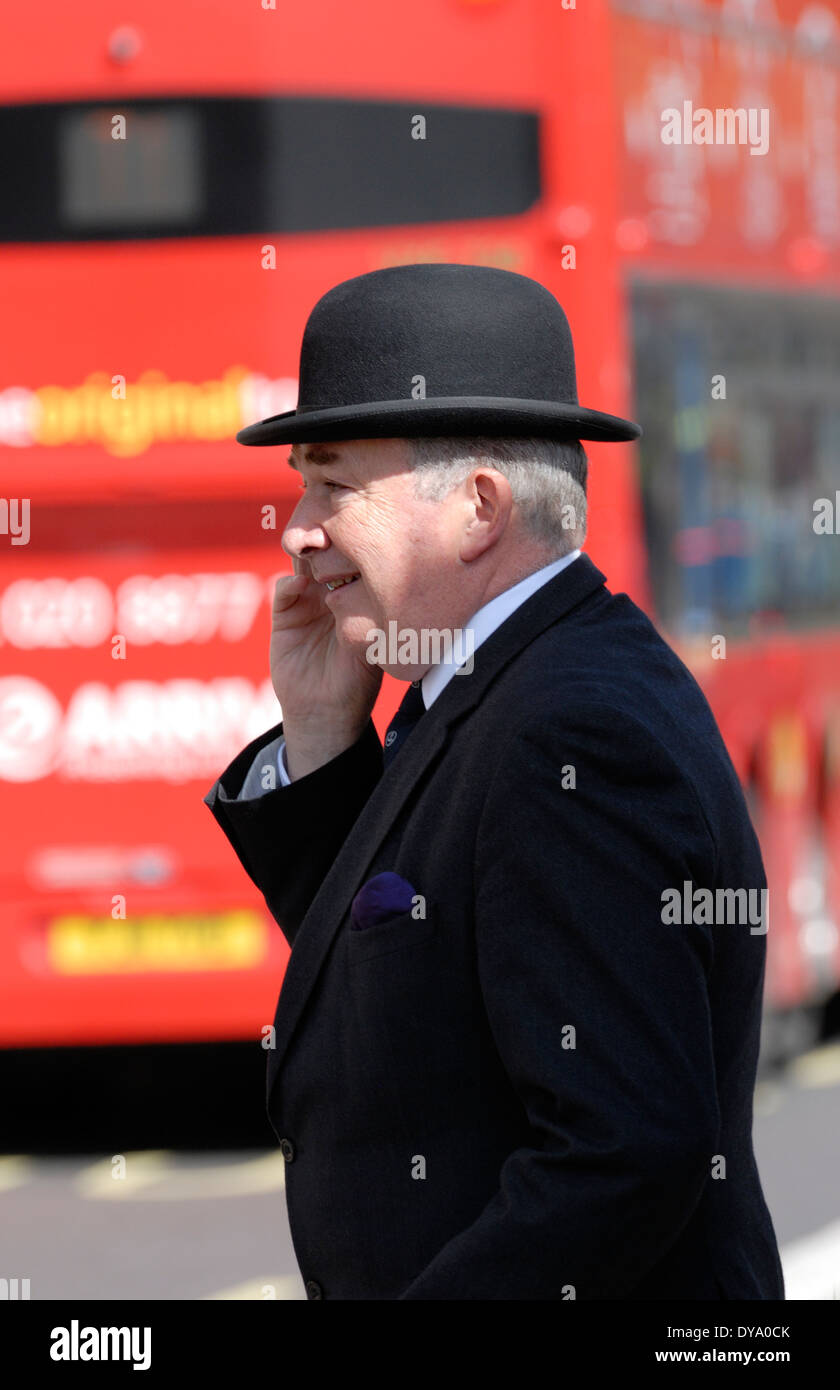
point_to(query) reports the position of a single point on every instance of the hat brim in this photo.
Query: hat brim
(443, 416)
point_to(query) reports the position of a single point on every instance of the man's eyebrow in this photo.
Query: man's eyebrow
(316, 453)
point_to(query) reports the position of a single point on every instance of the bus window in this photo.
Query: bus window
(222, 166)
(739, 393)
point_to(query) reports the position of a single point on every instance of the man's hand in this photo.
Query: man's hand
(326, 691)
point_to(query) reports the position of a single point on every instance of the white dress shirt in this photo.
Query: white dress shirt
(481, 625)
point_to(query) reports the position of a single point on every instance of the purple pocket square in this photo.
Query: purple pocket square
(386, 895)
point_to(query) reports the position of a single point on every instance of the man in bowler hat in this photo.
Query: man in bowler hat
(502, 1067)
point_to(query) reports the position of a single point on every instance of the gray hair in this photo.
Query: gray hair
(547, 478)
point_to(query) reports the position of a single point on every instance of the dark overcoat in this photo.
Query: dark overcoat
(536, 1084)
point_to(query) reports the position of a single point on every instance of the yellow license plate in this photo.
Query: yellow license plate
(78, 945)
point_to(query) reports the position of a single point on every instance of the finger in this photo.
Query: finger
(287, 591)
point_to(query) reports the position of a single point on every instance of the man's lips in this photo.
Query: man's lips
(338, 581)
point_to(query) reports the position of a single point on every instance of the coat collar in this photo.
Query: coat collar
(551, 603)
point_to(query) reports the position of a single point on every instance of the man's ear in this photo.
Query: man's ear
(489, 505)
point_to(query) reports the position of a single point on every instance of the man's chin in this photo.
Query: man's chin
(354, 630)
(372, 643)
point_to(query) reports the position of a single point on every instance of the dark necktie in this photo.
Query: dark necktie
(410, 710)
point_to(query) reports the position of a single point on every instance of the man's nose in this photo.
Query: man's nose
(303, 532)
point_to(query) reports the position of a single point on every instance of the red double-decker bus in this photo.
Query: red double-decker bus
(178, 193)
(730, 256)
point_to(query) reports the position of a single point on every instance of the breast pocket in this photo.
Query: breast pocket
(400, 933)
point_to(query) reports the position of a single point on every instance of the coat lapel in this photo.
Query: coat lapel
(332, 902)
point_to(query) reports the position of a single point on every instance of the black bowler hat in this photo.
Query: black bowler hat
(437, 350)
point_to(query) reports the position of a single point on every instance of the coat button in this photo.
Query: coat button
(313, 1290)
(287, 1149)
